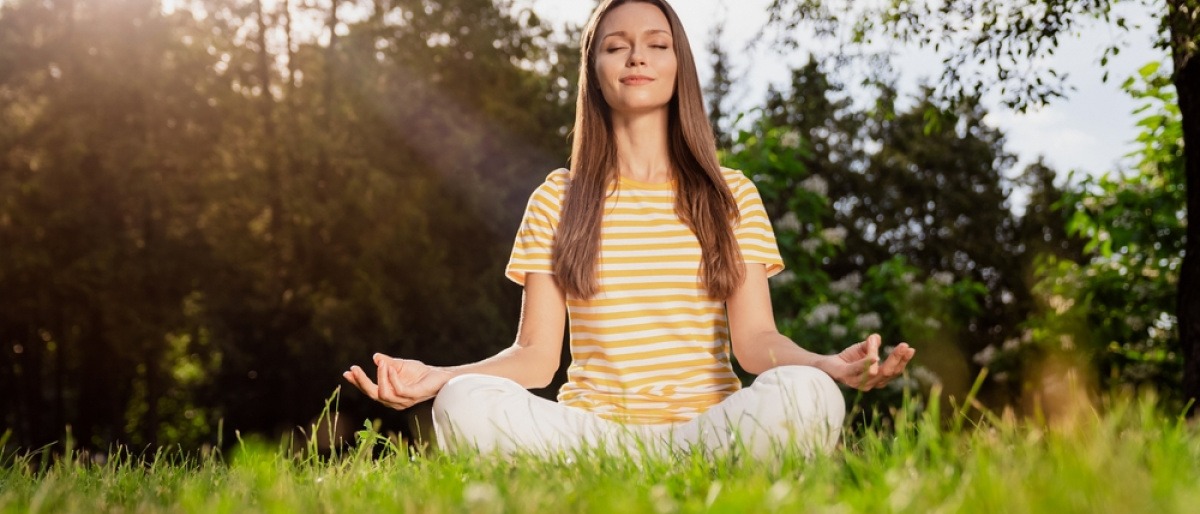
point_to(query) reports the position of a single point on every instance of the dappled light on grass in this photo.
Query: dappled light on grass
(1123, 454)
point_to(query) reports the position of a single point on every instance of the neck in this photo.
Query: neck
(642, 149)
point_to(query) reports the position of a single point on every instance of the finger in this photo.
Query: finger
(894, 363)
(887, 372)
(398, 405)
(399, 399)
(894, 366)
(854, 351)
(857, 373)
(393, 405)
(379, 357)
(909, 353)
(363, 382)
(383, 375)
(350, 378)
(353, 378)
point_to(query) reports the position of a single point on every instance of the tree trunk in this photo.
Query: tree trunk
(1184, 24)
(267, 110)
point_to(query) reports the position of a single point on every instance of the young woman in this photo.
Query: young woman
(660, 257)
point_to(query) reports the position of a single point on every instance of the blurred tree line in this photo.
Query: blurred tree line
(894, 214)
(209, 209)
(987, 47)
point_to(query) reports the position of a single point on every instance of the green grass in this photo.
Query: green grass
(1126, 456)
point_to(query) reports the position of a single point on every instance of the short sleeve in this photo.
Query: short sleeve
(534, 243)
(754, 234)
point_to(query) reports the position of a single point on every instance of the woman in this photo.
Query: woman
(661, 258)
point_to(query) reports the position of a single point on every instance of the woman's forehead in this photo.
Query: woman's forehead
(634, 18)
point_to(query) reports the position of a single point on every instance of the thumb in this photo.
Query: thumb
(854, 369)
(873, 344)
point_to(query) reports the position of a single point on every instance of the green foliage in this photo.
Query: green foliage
(1118, 306)
(984, 46)
(200, 222)
(824, 315)
(927, 185)
(890, 223)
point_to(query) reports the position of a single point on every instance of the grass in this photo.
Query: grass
(1125, 456)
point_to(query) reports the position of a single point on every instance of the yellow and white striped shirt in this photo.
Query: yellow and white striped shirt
(651, 346)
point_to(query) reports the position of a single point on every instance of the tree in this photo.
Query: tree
(1115, 304)
(1003, 37)
(208, 216)
(910, 219)
(717, 90)
(918, 182)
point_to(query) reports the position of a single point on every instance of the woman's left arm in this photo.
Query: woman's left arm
(758, 345)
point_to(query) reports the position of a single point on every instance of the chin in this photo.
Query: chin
(639, 107)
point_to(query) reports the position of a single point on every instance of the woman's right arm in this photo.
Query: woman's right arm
(531, 361)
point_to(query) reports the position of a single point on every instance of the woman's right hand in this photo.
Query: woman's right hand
(402, 383)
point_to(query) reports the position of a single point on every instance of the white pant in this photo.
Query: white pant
(787, 406)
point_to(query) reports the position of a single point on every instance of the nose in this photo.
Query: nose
(635, 56)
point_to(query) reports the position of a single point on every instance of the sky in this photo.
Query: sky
(1090, 131)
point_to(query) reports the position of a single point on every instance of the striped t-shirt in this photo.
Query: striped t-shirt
(651, 346)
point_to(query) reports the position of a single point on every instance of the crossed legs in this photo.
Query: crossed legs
(787, 405)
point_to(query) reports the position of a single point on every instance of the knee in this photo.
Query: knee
(807, 389)
(465, 394)
(803, 376)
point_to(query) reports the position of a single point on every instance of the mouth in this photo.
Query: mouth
(635, 80)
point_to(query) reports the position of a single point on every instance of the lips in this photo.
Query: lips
(635, 80)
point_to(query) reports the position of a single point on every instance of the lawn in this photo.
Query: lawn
(1123, 456)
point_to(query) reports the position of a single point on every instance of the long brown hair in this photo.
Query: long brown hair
(702, 199)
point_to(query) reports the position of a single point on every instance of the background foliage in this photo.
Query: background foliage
(208, 209)
(1117, 306)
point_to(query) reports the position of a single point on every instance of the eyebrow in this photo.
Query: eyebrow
(622, 33)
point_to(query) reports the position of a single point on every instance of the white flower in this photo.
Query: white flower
(816, 184)
(811, 244)
(1011, 344)
(783, 278)
(822, 314)
(847, 284)
(985, 356)
(903, 382)
(925, 376)
(790, 139)
(837, 331)
(868, 322)
(944, 278)
(1136, 323)
(788, 222)
(1060, 304)
(835, 235)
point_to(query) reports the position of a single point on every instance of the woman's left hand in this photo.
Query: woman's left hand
(858, 366)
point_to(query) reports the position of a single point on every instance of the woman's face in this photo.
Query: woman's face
(635, 58)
